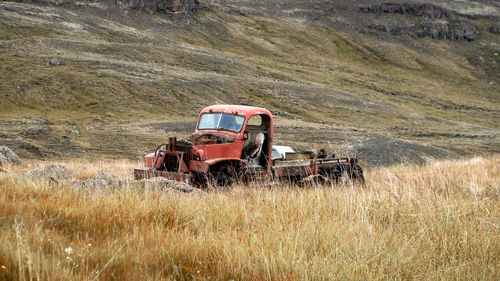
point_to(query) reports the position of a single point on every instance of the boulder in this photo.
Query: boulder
(8, 157)
(164, 184)
(495, 28)
(103, 180)
(54, 62)
(53, 173)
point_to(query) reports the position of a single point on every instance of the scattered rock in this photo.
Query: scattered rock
(8, 157)
(495, 28)
(53, 173)
(383, 151)
(54, 62)
(164, 184)
(36, 131)
(422, 20)
(415, 9)
(103, 180)
(163, 6)
(458, 31)
(284, 114)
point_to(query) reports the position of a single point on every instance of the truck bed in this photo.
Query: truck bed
(306, 167)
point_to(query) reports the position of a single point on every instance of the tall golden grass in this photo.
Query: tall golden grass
(439, 221)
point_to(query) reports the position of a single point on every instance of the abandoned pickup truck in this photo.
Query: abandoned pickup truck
(234, 143)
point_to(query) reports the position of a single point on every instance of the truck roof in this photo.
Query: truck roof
(245, 110)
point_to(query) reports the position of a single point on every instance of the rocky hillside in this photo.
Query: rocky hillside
(149, 6)
(391, 80)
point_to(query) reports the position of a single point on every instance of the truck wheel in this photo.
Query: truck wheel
(225, 175)
(341, 175)
(218, 180)
(202, 180)
(357, 174)
(335, 174)
(315, 180)
(351, 174)
(345, 178)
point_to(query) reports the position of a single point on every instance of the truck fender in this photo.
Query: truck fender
(215, 161)
(203, 166)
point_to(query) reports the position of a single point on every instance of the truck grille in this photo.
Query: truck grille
(186, 148)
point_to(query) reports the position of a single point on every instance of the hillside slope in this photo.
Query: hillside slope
(399, 81)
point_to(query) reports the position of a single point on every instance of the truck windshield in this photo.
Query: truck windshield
(221, 121)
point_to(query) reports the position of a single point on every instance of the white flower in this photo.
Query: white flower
(69, 259)
(68, 251)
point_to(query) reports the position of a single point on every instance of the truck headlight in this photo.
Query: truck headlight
(196, 156)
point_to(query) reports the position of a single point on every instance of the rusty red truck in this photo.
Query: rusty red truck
(234, 143)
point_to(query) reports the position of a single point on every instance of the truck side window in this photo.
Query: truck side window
(255, 121)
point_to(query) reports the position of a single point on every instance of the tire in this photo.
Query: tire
(347, 174)
(335, 174)
(225, 175)
(345, 178)
(357, 174)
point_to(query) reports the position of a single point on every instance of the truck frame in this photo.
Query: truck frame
(234, 143)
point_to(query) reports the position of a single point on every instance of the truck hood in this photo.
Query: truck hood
(211, 137)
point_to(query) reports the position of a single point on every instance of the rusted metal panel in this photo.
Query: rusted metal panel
(305, 168)
(198, 166)
(293, 171)
(297, 156)
(140, 174)
(227, 150)
(148, 160)
(336, 160)
(292, 163)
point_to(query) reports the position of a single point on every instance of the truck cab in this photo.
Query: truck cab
(232, 139)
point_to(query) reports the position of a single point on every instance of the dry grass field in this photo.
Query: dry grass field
(438, 221)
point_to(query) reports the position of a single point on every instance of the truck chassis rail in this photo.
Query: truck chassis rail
(140, 174)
